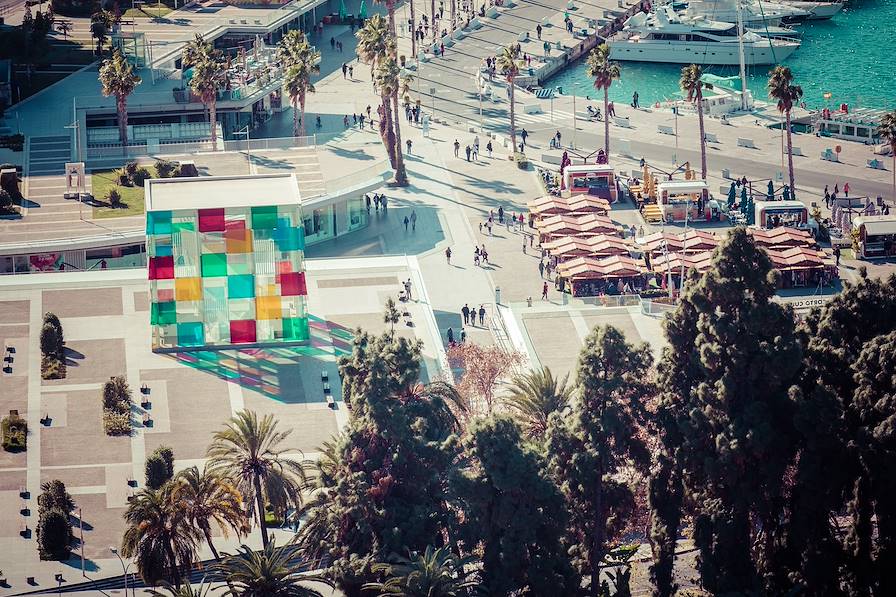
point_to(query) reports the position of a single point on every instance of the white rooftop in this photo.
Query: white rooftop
(204, 192)
(682, 186)
(588, 168)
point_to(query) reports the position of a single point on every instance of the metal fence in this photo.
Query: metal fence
(274, 143)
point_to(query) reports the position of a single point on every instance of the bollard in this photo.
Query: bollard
(497, 295)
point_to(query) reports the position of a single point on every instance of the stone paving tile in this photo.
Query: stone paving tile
(12, 521)
(83, 302)
(15, 311)
(82, 440)
(81, 476)
(141, 301)
(556, 342)
(92, 361)
(621, 321)
(103, 526)
(12, 480)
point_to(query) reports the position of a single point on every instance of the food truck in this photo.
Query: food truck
(876, 235)
(681, 200)
(772, 214)
(592, 179)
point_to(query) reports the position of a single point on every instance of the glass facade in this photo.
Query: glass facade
(222, 277)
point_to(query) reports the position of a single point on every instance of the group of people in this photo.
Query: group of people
(379, 200)
(335, 44)
(831, 198)
(472, 150)
(359, 119)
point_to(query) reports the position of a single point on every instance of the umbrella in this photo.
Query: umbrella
(362, 10)
(785, 193)
(732, 196)
(342, 11)
(771, 191)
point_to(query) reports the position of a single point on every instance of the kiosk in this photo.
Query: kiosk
(681, 200)
(876, 236)
(592, 179)
(772, 214)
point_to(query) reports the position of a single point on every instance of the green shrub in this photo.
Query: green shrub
(54, 535)
(140, 176)
(49, 341)
(54, 495)
(15, 433)
(115, 423)
(113, 197)
(187, 170)
(50, 318)
(52, 367)
(130, 169)
(166, 168)
(6, 206)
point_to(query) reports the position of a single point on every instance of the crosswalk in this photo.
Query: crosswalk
(559, 118)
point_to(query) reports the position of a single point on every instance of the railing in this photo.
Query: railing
(135, 150)
(612, 300)
(273, 143)
(652, 307)
(381, 169)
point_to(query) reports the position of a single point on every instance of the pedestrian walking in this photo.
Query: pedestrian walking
(409, 144)
(413, 220)
(544, 291)
(442, 50)
(538, 30)
(448, 255)
(475, 152)
(376, 201)
(541, 268)
(488, 146)
(383, 201)
(465, 311)
(525, 135)
(361, 121)
(500, 213)
(483, 252)
(837, 255)
(846, 190)
(557, 137)
(524, 245)
(481, 314)
(635, 103)
(344, 70)
(463, 336)
(456, 148)
(351, 71)
(406, 222)
(332, 43)
(407, 287)
(368, 110)
(450, 335)
(468, 151)
(345, 121)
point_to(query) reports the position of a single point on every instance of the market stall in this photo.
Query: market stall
(598, 246)
(692, 241)
(550, 205)
(591, 179)
(582, 226)
(803, 266)
(876, 235)
(589, 276)
(782, 236)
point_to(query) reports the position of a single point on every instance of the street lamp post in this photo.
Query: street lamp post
(245, 131)
(124, 570)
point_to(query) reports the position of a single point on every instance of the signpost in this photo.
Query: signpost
(75, 182)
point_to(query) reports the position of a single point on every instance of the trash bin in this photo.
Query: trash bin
(498, 295)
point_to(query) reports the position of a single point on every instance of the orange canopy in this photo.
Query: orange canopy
(692, 241)
(599, 245)
(553, 227)
(550, 205)
(591, 268)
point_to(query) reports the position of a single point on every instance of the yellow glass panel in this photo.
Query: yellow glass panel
(268, 307)
(188, 289)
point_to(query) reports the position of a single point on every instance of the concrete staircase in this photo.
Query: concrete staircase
(48, 155)
(652, 213)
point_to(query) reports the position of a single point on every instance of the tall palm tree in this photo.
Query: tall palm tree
(100, 23)
(388, 82)
(291, 46)
(534, 396)
(248, 452)
(297, 83)
(782, 89)
(508, 65)
(118, 78)
(271, 572)
(209, 498)
(434, 573)
(604, 72)
(693, 87)
(887, 132)
(159, 535)
(209, 75)
(373, 40)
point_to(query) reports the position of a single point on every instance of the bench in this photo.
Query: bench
(531, 109)
(796, 151)
(830, 155)
(622, 121)
(748, 143)
(710, 138)
(876, 164)
(666, 130)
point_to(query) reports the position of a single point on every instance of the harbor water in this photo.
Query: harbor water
(850, 56)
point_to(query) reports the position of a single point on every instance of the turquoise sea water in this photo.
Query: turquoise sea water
(851, 56)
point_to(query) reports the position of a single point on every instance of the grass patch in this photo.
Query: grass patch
(147, 12)
(131, 197)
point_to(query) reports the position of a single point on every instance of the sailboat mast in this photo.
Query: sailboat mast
(740, 47)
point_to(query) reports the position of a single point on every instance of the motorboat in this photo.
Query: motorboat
(666, 36)
(772, 31)
(818, 11)
(755, 14)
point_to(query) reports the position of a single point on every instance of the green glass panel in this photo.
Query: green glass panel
(190, 334)
(213, 265)
(264, 217)
(295, 329)
(163, 313)
(179, 226)
(241, 286)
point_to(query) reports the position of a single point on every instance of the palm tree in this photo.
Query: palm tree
(693, 88)
(604, 72)
(388, 83)
(209, 498)
(118, 78)
(271, 572)
(159, 535)
(887, 132)
(509, 66)
(290, 46)
(100, 23)
(297, 82)
(781, 88)
(185, 590)
(373, 40)
(248, 453)
(209, 75)
(534, 396)
(435, 573)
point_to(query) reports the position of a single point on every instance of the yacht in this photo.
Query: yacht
(754, 13)
(665, 36)
(817, 10)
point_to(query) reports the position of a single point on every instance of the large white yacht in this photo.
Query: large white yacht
(817, 10)
(664, 36)
(754, 14)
